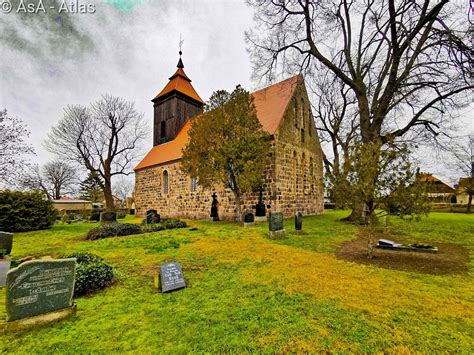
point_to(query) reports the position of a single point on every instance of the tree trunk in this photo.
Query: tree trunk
(358, 213)
(109, 198)
(469, 203)
(238, 209)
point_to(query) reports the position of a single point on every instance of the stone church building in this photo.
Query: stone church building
(294, 179)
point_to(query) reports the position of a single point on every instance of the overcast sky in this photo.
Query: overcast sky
(127, 48)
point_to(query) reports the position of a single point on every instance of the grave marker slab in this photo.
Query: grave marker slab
(6, 242)
(276, 225)
(171, 277)
(40, 286)
(298, 222)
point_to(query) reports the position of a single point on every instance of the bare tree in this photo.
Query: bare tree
(55, 179)
(103, 137)
(406, 62)
(13, 148)
(336, 121)
(123, 189)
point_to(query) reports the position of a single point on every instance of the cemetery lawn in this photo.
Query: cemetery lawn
(247, 293)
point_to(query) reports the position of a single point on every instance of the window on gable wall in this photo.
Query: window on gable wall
(295, 112)
(310, 122)
(302, 113)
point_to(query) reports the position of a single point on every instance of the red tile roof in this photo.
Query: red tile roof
(270, 103)
(179, 82)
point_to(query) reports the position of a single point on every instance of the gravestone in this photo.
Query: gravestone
(152, 217)
(249, 219)
(108, 217)
(260, 210)
(40, 286)
(385, 242)
(214, 212)
(276, 225)
(171, 277)
(6, 242)
(298, 222)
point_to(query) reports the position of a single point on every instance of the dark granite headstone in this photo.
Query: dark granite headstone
(152, 216)
(298, 221)
(6, 242)
(40, 286)
(108, 217)
(260, 210)
(276, 221)
(249, 218)
(171, 277)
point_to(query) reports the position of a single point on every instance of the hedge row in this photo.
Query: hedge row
(121, 229)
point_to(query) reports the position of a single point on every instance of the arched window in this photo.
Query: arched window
(295, 173)
(310, 122)
(303, 172)
(193, 184)
(295, 113)
(165, 182)
(302, 113)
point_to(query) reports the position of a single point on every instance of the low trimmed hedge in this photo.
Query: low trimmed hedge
(92, 273)
(117, 229)
(114, 229)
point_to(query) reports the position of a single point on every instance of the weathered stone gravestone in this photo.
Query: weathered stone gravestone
(38, 287)
(171, 277)
(6, 242)
(152, 217)
(108, 217)
(276, 225)
(298, 222)
(249, 219)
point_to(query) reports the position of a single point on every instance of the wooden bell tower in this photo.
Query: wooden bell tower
(174, 105)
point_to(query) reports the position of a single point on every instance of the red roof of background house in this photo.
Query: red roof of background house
(270, 103)
(434, 185)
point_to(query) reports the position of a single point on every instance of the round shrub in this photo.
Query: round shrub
(92, 273)
(25, 211)
(113, 230)
(171, 223)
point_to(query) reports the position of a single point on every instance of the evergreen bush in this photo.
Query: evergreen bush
(25, 211)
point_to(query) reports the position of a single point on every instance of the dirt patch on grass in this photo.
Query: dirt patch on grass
(450, 259)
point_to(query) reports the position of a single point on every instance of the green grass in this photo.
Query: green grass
(247, 293)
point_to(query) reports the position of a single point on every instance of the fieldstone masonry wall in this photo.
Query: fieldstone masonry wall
(293, 182)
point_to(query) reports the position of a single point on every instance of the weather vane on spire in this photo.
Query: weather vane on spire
(181, 41)
(180, 62)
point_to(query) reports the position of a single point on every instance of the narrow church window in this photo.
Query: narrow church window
(295, 113)
(311, 173)
(193, 184)
(302, 135)
(165, 182)
(310, 121)
(295, 173)
(303, 172)
(302, 113)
